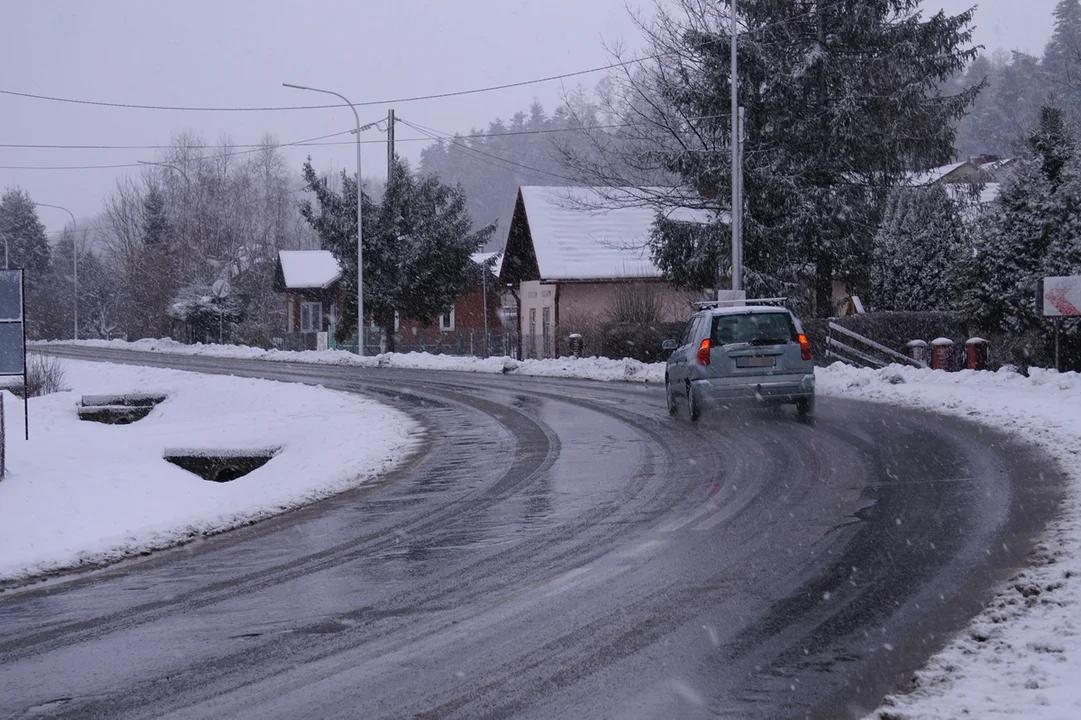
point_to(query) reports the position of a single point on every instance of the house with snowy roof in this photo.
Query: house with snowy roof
(572, 252)
(311, 283)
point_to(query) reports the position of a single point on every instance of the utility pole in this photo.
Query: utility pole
(390, 146)
(737, 169)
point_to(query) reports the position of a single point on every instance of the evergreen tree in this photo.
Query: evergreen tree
(155, 222)
(27, 244)
(417, 246)
(916, 250)
(841, 99)
(1015, 236)
(1062, 57)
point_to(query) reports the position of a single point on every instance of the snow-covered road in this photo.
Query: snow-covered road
(1022, 656)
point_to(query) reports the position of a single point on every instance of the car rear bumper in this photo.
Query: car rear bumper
(771, 390)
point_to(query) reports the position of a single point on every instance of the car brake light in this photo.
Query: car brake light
(703, 352)
(804, 346)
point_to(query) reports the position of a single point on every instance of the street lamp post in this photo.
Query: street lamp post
(74, 265)
(360, 231)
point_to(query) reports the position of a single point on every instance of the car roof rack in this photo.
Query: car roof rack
(710, 304)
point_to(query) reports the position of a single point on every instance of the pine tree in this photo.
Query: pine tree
(27, 244)
(155, 222)
(842, 100)
(1010, 245)
(417, 246)
(916, 250)
(1062, 57)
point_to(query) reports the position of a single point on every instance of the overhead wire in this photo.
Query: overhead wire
(388, 101)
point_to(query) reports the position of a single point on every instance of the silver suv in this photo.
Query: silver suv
(728, 355)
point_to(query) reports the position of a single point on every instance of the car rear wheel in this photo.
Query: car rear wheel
(669, 397)
(692, 406)
(805, 407)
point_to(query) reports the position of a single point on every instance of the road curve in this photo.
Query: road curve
(557, 549)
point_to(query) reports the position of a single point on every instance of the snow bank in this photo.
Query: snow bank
(85, 493)
(593, 368)
(1022, 656)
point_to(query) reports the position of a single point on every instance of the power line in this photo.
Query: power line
(253, 149)
(415, 98)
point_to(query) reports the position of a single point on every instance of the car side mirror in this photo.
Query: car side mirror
(668, 345)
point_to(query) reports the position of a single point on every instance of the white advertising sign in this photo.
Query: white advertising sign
(1062, 296)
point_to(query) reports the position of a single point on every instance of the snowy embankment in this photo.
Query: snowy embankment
(84, 493)
(586, 368)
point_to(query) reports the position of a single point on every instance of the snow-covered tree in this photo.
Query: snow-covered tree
(916, 250)
(417, 246)
(27, 244)
(842, 100)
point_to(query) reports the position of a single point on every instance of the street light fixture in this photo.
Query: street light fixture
(167, 165)
(360, 232)
(74, 264)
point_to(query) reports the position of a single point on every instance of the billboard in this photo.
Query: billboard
(1062, 296)
(12, 354)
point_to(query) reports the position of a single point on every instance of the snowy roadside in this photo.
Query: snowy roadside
(83, 493)
(592, 368)
(1021, 657)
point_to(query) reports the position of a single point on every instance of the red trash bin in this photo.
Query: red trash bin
(942, 354)
(976, 353)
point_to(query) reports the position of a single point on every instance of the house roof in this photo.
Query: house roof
(483, 257)
(576, 237)
(309, 269)
(934, 175)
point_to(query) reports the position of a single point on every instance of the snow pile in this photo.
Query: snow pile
(593, 368)
(1021, 656)
(85, 493)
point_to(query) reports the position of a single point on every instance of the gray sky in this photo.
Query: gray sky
(233, 53)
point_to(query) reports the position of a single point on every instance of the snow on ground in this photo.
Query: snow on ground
(85, 493)
(1020, 658)
(588, 368)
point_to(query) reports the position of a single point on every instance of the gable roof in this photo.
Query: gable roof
(308, 269)
(483, 257)
(577, 234)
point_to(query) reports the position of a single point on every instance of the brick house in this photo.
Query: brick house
(311, 283)
(461, 330)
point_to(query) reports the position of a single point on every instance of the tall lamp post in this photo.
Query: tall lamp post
(737, 170)
(74, 264)
(360, 232)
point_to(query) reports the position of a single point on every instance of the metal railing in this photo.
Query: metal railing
(855, 349)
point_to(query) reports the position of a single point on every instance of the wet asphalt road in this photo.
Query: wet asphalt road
(558, 549)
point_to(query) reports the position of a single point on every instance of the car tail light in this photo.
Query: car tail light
(703, 352)
(804, 346)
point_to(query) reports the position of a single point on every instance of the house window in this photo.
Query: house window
(547, 330)
(532, 332)
(311, 317)
(397, 322)
(446, 320)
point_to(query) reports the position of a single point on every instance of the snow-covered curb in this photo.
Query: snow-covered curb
(1021, 657)
(592, 368)
(82, 493)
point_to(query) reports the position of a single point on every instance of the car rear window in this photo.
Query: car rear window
(772, 328)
